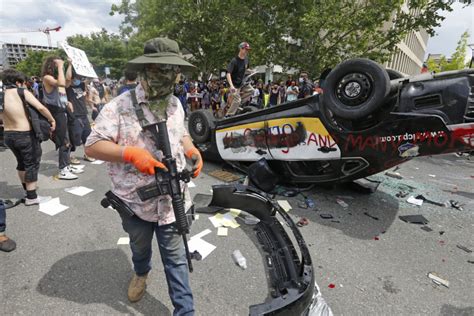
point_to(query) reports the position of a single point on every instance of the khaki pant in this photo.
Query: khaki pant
(235, 98)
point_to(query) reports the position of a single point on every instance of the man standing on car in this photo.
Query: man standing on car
(235, 76)
(117, 137)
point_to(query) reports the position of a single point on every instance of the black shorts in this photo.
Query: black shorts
(27, 150)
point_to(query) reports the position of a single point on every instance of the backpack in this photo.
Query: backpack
(39, 123)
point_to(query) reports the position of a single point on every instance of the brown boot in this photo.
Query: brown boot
(136, 288)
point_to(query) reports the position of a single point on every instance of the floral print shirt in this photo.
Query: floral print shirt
(118, 123)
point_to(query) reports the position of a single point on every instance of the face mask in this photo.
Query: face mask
(76, 82)
(301, 80)
(160, 82)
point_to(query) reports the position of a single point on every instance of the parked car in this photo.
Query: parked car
(367, 120)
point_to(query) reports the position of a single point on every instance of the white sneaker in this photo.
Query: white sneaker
(38, 200)
(65, 174)
(75, 170)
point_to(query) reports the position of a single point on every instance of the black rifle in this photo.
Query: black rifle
(167, 182)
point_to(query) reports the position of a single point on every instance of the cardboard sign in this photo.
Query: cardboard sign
(81, 64)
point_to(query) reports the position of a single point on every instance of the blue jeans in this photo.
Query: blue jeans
(173, 257)
(3, 215)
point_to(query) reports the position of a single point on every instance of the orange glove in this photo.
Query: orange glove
(195, 156)
(141, 159)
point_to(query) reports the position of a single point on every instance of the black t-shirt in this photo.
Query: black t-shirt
(236, 68)
(76, 95)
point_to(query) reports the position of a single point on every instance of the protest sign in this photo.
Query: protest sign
(81, 64)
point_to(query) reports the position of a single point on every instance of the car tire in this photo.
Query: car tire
(200, 125)
(355, 88)
(393, 74)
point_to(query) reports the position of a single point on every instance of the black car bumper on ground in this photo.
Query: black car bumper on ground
(291, 276)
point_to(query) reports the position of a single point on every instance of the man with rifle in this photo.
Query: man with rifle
(142, 134)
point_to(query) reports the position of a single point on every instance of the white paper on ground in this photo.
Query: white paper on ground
(123, 241)
(203, 247)
(215, 221)
(191, 184)
(285, 205)
(412, 200)
(222, 231)
(52, 207)
(80, 191)
(201, 234)
(97, 162)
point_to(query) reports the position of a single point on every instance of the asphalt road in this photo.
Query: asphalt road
(70, 263)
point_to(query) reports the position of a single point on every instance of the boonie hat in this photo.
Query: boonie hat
(244, 45)
(159, 50)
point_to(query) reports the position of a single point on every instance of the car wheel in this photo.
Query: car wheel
(393, 74)
(201, 123)
(355, 88)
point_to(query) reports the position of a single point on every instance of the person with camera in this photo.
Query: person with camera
(22, 141)
(118, 137)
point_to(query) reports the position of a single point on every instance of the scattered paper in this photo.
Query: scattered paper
(432, 175)
(97, 162)
(216, 220)
(191, 184)
(438, 280)
(80, 191)
(222, 231)
(414, 201)
(284, 205)
(196, 216)
(228, 220)
(342, 203)
(203, 247)
(234, 212)
(52, 207)
(201, 234)
(123, 241)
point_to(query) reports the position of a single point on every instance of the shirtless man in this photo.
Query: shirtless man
(19, 136)
(18, 132)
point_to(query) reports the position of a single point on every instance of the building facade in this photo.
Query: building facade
(409, 54)
(11, 54)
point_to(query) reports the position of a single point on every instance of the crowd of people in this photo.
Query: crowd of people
(217, 94)
(110, 121)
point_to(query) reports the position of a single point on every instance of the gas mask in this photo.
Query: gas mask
(76, 82)
(160, 80)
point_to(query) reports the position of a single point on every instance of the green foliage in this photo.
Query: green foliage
(457, 61)
(31, 65)
(306, 34)
(103, 50)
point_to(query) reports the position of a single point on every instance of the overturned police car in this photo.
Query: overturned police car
(367, 120)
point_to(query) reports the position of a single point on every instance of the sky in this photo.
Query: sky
(86, 16)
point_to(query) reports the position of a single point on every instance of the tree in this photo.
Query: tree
(104, 50)
(457, 60)
(31, 65)
(306, 34)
